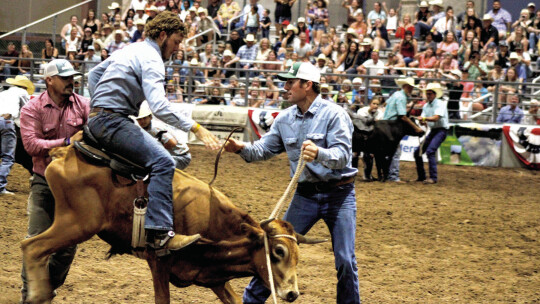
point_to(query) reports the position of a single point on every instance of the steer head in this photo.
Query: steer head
(284, 252)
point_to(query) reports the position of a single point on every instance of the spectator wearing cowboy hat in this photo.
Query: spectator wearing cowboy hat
(178, 149)
(396, 108)
(138, 34)
(489, 36)
(11, 149)
(246, 53)
(326, 188)
(290, 38)
(435, 115)
(532, 117)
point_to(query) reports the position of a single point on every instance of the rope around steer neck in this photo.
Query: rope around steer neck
(269, 264)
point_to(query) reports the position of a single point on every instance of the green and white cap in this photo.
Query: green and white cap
(302, 70)
(59, 67)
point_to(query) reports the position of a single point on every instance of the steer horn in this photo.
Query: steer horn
(304, 240)
(265, 222)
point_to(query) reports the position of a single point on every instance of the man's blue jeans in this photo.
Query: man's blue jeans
(117, 133)
(338, 210)
(393, 173)
(8, 142)
(432, 142)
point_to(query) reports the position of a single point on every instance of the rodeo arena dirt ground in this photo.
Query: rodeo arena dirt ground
(471, 238)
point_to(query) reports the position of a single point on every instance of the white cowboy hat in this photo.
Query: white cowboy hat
(227, 53)
(423, 4)
(405, 80)
(194, 62)
(322, 57)
(144, 111)
(114, 5)
(153, 8)
(487, 17)
(301, 20)
(291, 27)
(514, 55)
(366, 41)
(202, 10)
(22, 81)
(250, 38)
(455, 74)
(140, 22)
(435, 87)
(352, 32)
(438, 3)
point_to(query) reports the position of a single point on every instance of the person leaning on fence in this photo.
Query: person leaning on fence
(322, 130)
(511, 113)
(178, 149)
(435, 115)
(396, 108)
(53, 119)
(116, 95)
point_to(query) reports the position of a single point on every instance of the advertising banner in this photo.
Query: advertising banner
(525, 143)
(221, 120)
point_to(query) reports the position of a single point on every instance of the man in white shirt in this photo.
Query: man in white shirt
(374, 66)
(11, 101)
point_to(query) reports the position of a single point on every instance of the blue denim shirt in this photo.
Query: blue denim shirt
(325, 124)
(128, 77)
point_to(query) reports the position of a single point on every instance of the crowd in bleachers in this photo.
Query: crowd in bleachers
(433, 43)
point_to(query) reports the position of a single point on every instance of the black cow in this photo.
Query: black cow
(384, 141)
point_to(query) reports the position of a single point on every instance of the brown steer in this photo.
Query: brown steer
(91, 200)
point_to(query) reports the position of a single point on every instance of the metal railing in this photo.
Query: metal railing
(230, 22)
(55, 16)
(382, 87)
(202, 34)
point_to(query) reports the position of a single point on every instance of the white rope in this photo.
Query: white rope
(291, 187)
(269, 269)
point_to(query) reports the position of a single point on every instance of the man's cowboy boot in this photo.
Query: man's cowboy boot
(159, 240)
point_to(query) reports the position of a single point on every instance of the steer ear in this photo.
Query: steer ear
(304, 240)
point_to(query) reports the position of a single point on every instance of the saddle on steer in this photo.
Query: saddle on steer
(98, 156)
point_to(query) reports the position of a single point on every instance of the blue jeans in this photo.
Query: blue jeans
(393, 173)
(338, 210)
(117, 133)
(8, 142)
(533, 40)
(432, 142)
(182, 161)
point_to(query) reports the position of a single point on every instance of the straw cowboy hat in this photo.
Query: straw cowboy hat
(405, 80)
(114, 5)
(514, 55)
(435, 87)
(22, 81)
(140, 22)
(438, 3)
(291, 27)
(144, 111)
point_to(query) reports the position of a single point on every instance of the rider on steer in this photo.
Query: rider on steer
(118, 86)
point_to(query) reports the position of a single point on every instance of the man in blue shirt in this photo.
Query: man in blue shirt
(435, 115)
(325, 190)
(118, 86)
(396, 108)
(511, 113)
